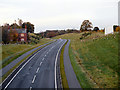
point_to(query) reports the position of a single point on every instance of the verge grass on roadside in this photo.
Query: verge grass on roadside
(94, 59)
(12, 52)
(17, 65)
(62, 71)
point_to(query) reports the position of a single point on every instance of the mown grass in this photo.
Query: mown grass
(14, 67)
(62, 71)
(12, 52)
(94, 59)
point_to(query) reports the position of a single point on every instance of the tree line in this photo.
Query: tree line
(12, 27)
(85, 26)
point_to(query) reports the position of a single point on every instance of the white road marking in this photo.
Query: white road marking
(19, 71)
(45, 55)
(34, 79)
(40, 63)
(56, 65)
(30, 88)
(37, 70)
(43, 59)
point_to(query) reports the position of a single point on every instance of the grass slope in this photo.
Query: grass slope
(25, 58)
(94, 59)
(11, 52)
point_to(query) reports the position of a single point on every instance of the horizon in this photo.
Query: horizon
(60, 14)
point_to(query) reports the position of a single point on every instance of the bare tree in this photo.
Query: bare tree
(20, 22)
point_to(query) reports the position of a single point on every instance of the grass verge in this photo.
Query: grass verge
(94, 59)
(17, 65)
(12, 50)
(79, 71)
(62, 71)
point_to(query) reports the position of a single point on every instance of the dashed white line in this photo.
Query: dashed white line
(34, 79)
(45, 55)
(40, 63)
(43, 59)
(37, 70)
(30, 88)
(19, 71)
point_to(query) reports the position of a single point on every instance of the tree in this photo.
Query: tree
(117, 29)
(20, 22)
(5, 37)
(114, 27)
(86, 25)
(14, 26)
(30, 27)
(96, 29)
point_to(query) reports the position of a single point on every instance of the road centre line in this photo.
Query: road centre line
(37, 70)
(30, 88)
(43, 59)
(18, 72)
(34, 79)
(40, 63)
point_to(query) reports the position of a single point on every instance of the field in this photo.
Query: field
(94, 59)
(12, 51)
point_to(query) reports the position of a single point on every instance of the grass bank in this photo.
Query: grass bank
(94, 59)
(17, 65)
(13, 51)
(62, 71)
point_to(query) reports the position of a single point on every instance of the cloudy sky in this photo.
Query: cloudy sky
(60, 14)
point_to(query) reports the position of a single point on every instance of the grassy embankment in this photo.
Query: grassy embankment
(11, 52)
(43, 41)
(94, 59)
(62, 71)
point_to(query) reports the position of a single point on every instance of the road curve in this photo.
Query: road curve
(70, 74)
(13, 63)
(39, 70)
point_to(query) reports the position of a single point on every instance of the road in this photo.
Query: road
(13, 63)
(70, 74)
(39, 71)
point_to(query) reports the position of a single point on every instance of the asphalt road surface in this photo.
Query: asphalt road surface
(39, 71)
(13, 63)
(70, 74)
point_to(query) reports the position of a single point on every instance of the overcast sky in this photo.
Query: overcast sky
(60, 14)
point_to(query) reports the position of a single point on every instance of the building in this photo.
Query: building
(19, 35)
(109, 30)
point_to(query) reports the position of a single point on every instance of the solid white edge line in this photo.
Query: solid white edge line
(34, 79)
(18, 71)
(56, 65)
(22, 62)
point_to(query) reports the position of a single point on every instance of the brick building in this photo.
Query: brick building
(19, 35)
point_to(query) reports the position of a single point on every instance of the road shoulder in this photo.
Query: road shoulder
(70, 74)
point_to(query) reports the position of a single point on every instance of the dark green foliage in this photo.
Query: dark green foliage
(30, 27)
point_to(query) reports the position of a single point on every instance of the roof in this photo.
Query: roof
(20, 30)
